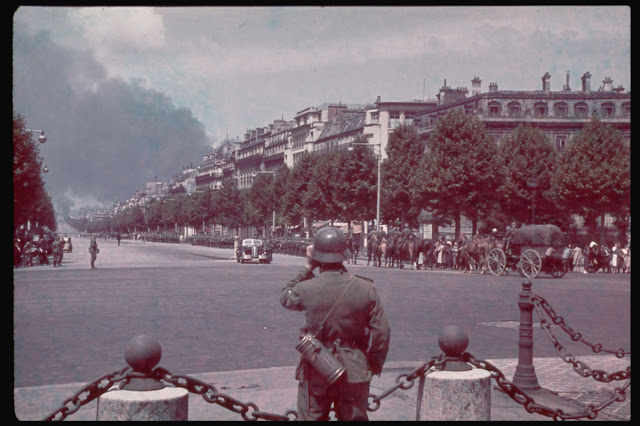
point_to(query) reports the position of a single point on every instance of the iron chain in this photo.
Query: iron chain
(542, 306)
(249, 411)
(405, 381)
(88, 394)
(590, 411)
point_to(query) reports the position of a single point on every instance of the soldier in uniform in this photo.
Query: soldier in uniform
(56, 248)
(357, 334)
(93, 249)
(509, 236)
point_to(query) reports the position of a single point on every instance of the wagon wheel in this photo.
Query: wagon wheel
(497, 261)
(530, 263)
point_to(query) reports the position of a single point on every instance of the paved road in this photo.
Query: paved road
(71, 324)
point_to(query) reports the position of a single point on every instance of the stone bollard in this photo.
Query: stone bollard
(142, 397)
(459, 391)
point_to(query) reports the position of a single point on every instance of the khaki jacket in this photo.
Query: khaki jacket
(358, 332)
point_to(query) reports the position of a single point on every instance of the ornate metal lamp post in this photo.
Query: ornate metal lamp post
(42, 138)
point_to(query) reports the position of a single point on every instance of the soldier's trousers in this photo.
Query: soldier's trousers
(316, 396)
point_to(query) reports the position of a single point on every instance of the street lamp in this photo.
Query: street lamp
(378, 144)
(533, 184)
(42, 138)
(270, 172)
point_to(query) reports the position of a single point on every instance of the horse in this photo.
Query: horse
(353, 243)
(423, 247)
(474, 252)
(372, 242)
(377, 246)
(428, 251)
(406, 250)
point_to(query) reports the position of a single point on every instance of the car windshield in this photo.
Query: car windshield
(251, 243)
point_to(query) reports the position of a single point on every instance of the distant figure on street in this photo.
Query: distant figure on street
(118, 237)
(56, 247)
(93, 249)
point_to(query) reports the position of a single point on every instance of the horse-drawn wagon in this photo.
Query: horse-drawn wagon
(533, 249)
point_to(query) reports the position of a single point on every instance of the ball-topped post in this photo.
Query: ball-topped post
(143, 353)
(453, 341)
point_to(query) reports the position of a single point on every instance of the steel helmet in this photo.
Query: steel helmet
(330, 246)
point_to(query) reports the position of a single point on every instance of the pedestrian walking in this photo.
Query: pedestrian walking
(118, 238)
(93, 249)
(56, 248)
(17, 252)
(43, 259)
(566, 258)
(578, 259)
(347, 317)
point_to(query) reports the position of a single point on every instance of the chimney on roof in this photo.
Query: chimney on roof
(566, 86)
(546, 82)
(475, 86)
(493, 87)
(586, 82)
(608, 84)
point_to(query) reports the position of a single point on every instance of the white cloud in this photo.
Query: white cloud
(115, 33)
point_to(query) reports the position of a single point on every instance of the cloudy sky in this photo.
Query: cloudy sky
(125, 94)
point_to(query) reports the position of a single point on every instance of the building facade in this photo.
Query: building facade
(560, 113)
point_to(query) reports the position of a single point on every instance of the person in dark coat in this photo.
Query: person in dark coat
(358, 332)
(93, 249)
(56, 248)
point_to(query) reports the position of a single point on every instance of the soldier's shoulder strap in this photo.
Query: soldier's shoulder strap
(364, 278)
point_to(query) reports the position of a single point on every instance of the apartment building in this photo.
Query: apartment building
(559, 113)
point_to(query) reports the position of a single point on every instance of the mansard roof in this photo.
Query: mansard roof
(345, 122)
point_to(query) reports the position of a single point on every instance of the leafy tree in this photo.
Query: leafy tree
(195, 208)
(295, 201)
(404, 151)
(134, 218)
(279, 191)
(320, 194)
(593, 176)
(529, 155)
(461, 171)
(357, 182)
(31, 202)
(260, 201)
(227, 205)
(153, 214)
(171, 212)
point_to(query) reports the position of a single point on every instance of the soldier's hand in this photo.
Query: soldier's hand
(312, 264)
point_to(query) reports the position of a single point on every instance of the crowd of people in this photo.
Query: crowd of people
(593, 258)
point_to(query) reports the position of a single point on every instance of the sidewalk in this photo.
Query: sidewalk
(274, 391)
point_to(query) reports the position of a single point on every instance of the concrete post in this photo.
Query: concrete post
(143, 397)
(459, 391)
(168, 404)
(525, 376)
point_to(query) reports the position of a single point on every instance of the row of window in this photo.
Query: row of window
(560, 109)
